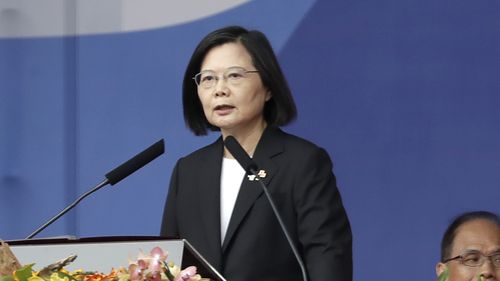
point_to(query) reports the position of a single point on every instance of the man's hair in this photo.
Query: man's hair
(278, 111)
(451, 231)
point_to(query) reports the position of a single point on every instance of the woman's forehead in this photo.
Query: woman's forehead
(225, 56)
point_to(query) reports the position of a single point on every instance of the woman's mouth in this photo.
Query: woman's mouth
(223, 109)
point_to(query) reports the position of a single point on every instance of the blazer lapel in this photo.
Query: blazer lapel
(268, 146)
(209, 191)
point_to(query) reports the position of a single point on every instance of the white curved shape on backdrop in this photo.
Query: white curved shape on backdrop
(42, 18)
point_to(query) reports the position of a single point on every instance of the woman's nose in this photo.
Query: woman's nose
(221, 88)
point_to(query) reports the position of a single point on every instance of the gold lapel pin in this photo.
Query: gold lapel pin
(261, 174)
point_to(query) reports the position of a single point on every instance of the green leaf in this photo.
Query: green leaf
(480, 278)
(24, 272)
(6, 279)
(443, 276)
(62, 275)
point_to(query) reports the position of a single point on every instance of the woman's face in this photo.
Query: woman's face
(235, 103)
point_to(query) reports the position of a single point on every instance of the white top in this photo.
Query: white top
(230, 182)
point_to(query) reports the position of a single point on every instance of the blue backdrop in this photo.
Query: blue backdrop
(403, 94)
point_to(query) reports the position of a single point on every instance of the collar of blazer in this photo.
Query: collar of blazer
(270, 145)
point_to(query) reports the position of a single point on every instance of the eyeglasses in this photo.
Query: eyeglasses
(207, 79)
(476, 259)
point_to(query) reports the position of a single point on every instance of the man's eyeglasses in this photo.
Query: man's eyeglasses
(207, 79)
(476, 259)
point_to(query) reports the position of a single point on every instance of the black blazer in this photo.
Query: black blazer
(300, 180)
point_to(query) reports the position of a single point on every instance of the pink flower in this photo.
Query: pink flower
(154, 276)
(135, 272)
(186, 274)
(155, 266)
(156, 259)
(157, 253)
(142, 264)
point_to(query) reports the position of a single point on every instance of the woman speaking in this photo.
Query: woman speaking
(234, 84)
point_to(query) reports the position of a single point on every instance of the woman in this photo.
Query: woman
(234, 84)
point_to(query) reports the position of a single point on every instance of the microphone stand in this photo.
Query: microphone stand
(113, 177)
(282, 224)
(71, 206)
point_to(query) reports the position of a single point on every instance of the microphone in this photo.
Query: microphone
(113, 177)
(251, 168)
(137, 162)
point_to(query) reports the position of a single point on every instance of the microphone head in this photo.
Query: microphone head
(240, 155)
(137, 162)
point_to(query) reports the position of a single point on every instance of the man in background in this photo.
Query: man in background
(470, 249)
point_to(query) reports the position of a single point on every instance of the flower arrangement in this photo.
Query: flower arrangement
(147, 267)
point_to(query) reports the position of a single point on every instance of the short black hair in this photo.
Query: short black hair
(278, 111)
(451, 231)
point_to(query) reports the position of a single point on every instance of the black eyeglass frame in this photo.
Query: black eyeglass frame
(480, 263)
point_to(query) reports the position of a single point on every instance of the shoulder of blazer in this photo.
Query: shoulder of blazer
(275, 141)
(209, 153)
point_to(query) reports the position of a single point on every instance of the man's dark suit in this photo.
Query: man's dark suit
(300, 180)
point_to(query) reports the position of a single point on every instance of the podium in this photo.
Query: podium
(101, 254)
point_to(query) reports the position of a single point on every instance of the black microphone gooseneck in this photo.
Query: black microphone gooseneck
(113, 177)
(251, 168)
